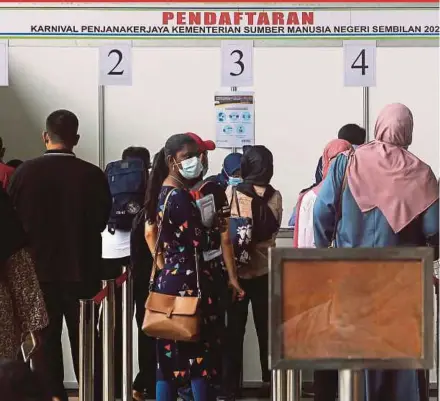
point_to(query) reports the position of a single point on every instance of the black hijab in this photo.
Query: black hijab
(12, 233)
(256, 168)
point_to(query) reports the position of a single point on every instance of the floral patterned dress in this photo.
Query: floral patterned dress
(183, 233)
(22, 307)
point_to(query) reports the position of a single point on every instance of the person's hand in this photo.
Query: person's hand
(37, 340)
(221, 223)
(237, 292)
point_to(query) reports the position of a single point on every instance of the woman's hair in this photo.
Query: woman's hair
(160, 171)
(14, 163)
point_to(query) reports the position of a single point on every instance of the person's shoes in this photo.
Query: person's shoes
(185, 394)
(138, 396)
(225, 398)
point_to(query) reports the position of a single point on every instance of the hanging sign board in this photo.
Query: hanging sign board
(235, 119)
(360, 63)
(115, 67)
(220, 23)
(237, 68)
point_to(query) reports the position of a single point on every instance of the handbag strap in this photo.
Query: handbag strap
(156, 248)
(339, 206)
(235, 197)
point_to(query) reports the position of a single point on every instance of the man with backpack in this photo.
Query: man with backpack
(127, 180)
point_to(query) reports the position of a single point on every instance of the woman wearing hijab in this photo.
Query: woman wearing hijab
(230, 174)
(22, 309)
(257, 172)
(390, 199)
(303, 236)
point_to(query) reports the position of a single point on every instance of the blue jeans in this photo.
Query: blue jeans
(166, 390)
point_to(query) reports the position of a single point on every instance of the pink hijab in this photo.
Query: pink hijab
(333, 149)
(385, 175)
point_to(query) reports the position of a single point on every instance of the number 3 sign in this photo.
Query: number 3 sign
(360, 63)
(115, 65)
(237, 69)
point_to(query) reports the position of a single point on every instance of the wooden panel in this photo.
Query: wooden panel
(352, 309)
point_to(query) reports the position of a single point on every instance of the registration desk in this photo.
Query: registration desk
(348, 310)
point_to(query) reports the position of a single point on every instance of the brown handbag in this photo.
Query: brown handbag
(172, 317)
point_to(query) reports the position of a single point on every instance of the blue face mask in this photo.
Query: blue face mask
(234, 181)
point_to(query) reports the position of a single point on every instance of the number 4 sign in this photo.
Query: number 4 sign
(115, 65)
(360, 63)
(237, 69)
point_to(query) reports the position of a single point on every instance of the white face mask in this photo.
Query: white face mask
(191, 168)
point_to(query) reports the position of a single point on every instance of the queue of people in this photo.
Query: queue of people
(197, 247)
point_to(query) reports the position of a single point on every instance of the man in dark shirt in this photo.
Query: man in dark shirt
(352, 133)
(64, 204)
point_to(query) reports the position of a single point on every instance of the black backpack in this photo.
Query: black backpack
(127, 181)
(245, 232)
(264, 223)
(141, 258)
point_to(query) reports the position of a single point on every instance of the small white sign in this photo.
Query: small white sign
(237, 68)
(234, 119)
(115, 67)
(4, 63)
(360, 63)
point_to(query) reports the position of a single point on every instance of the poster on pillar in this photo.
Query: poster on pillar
(4, 63)
(234, 119)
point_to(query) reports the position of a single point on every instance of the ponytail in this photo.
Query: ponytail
(158, 173)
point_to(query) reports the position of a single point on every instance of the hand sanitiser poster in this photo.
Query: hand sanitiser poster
(234, 119)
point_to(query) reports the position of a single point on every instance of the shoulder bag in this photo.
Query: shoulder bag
(172, 317)
(240, 231)
(339, 206)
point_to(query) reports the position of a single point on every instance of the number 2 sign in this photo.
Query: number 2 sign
(237, 69)
(115, 67)
(360, 63)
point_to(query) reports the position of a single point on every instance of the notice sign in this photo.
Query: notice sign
(234, 119)
(220, 23)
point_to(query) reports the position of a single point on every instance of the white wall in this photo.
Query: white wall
(300, 105)
(43, 79)
(411, 76)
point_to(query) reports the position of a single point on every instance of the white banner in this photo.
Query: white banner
(221, 23)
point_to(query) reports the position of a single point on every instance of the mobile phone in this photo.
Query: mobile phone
(28, 347)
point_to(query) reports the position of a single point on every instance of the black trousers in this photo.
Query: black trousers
(146, 378)
(325, 385)
(257, 293)
(62, 301)
(111, 269)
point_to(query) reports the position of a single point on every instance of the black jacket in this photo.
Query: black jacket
(64, 204)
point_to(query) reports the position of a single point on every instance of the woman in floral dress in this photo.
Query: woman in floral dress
(22, 308)
(182, 238)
